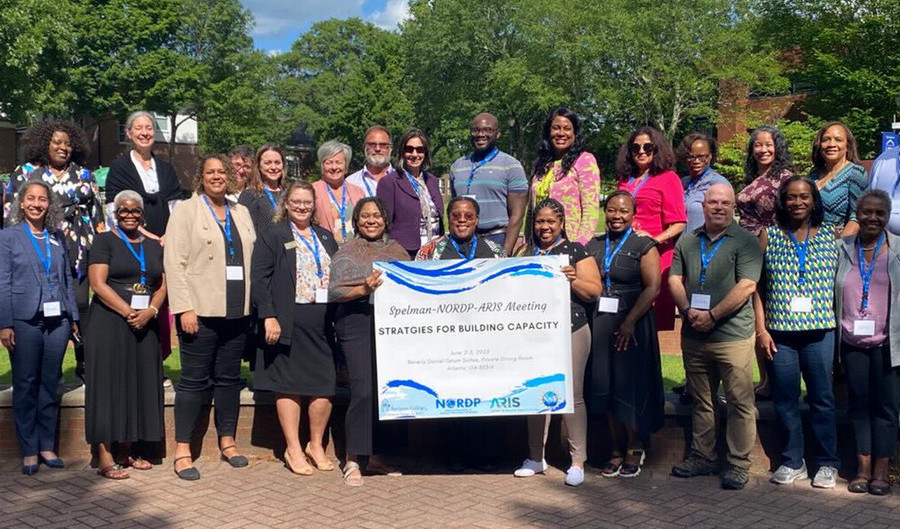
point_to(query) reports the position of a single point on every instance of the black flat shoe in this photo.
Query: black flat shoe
(56, 463)
(237, 461)
(877, 489)
(188, 474)
(30, 470)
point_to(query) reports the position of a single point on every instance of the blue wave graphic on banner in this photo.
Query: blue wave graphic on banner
(439, 278)
(411, 384)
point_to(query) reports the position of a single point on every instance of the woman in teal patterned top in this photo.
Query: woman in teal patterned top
(838, 175)
(795, 326)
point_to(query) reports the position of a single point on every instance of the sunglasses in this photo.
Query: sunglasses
(642, 147)
(409, 149)
(136, 212)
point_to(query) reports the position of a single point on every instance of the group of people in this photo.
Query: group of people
(251, 265)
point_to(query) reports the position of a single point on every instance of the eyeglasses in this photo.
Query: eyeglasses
(374, 145)
(637, 148)
(697, 157)
(125, 212)
(456, 215)
(409, 149)
(299, 203)
(482, 130)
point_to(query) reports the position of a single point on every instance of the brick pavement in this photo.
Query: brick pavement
(265, 495)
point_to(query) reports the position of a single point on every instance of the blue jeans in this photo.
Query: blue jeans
(36, 369)
(810, 353)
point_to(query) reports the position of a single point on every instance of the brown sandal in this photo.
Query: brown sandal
(114, 472)
(136, 463)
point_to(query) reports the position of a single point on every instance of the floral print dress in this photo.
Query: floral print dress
(578, 191)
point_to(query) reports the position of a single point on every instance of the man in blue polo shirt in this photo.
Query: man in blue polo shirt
(495, 180)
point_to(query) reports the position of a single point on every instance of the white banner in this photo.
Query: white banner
(473, 338)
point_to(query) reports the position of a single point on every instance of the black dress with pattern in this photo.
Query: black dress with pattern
(627, 384)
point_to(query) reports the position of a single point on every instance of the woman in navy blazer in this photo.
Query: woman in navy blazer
(416, 215)
(37, 315)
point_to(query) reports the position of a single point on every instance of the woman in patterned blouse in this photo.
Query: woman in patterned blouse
(566, 172)
(795, 326)
(59, 148)
(838, 175)
(766, 167)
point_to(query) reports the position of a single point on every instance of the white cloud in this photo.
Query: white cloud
(279, 17)
(395, 12)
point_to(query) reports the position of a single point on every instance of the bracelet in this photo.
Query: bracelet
(155, 311)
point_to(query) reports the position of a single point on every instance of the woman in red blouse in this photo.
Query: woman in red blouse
(645, 166)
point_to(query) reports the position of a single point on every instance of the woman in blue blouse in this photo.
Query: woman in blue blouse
(698, 152)
(838, 175)
(37, 315)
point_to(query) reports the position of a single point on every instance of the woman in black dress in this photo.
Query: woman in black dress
(626, 375)
(289, 277)
(124, 394)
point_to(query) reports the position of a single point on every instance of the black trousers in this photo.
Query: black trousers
(83, 301)
(353, 326)
(210, 369)
(874, 390)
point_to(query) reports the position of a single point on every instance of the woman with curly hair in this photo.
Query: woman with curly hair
(55, 151)
(565, 171)
(766, 167)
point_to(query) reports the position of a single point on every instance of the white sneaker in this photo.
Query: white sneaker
(530, 468)
(785, 474)
(825, 478)
(574, 476)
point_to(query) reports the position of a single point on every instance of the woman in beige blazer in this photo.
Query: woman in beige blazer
(209, 242)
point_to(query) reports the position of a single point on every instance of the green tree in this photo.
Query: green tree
(845, 55)
(344, 76)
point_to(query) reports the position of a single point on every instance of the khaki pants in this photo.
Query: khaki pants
(707, 364)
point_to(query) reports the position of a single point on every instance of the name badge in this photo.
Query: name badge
(234, 273)
(52, 309)
(700, 301)
(608, 305)
(863, 327)
(801, 304)
(290, 245)
(322, 295)
(140, 301)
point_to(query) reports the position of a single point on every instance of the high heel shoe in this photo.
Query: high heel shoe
(324, 465)
(305, 471)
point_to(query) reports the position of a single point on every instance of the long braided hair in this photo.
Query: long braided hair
(558, 209)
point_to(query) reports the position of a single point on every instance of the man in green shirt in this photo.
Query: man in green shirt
(714, 273)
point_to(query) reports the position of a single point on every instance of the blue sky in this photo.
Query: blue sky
(280, 22)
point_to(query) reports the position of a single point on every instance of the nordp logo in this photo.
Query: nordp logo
(457, 403)
(550, 398)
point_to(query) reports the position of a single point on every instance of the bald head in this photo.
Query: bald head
(718, 207)
(485, 130)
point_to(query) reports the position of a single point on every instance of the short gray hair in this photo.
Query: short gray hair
(333, 147)
(128, 194)
(129, 122)
(874, 193)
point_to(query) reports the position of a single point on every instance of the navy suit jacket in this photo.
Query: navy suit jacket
(20, 277)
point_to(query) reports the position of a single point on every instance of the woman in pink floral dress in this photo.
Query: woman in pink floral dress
(645, 166)
(767, 166)
(566, 172)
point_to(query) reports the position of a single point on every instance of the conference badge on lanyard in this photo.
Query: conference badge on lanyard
(141, 298)
(51, 309)
(608, 304)
(702, 300)
(801, 304)
(321, 287)
(866, 326)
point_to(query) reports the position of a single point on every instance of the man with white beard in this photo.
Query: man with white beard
(377, 146)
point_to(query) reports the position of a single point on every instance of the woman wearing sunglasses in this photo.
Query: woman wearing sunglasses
(412, 195)
(645, 166)
(124, 393)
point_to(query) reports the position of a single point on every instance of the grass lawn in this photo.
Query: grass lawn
(672, 369)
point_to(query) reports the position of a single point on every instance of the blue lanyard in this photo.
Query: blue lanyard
(476, 166)
(227, 225)
(634, 191)
(537, 249)
(696, 181)
(705, 258)
(365, 179)
(139, 256)
(801, 254)
(46, 259)
(342, 207)
(611, 254)
(865, 272)
(271, 199)
(313, 248)
(412, 181)
(471, 252)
